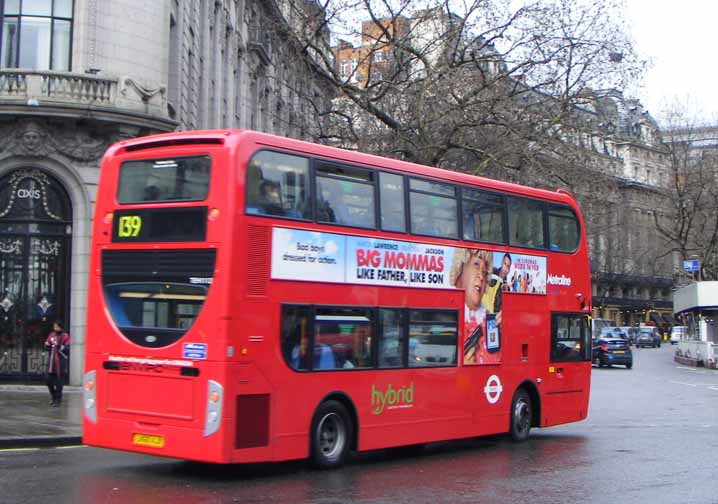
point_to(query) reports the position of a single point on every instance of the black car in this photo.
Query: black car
(608, 351)
(648, 336)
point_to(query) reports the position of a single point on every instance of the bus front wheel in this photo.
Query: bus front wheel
(521, 416)
(331, 435)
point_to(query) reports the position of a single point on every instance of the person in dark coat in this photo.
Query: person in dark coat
(57, 345)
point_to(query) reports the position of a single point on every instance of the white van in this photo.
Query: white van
(677, 334)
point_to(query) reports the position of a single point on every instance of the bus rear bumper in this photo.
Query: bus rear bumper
(185, 443)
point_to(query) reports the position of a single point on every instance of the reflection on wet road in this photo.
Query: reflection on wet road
(650, 438)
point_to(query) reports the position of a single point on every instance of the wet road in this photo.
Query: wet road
(651, 437)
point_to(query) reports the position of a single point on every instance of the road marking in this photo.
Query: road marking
(692, 369)
(683, 383)
(38, 448)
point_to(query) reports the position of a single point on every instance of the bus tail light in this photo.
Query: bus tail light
(89, 404)
(213, 417)
(108, 218)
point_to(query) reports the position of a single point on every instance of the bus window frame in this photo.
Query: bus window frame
(319, 164)
(455, 197)
(314, 161)
(138, 157)
(558, 206)
(310, 186)
(585, 339)
(377, 333)
(502, 207)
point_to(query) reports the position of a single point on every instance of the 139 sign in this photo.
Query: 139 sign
(129, 226)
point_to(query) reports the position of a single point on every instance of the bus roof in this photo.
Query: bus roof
(234, 137)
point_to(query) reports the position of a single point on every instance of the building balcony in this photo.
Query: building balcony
(106, 99)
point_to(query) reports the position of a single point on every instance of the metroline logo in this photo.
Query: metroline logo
(559, 280)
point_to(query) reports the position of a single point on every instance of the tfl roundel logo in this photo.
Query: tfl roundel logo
(493, 389)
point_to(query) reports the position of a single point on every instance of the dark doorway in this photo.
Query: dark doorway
(35, 237)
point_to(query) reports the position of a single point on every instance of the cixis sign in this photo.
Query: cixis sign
(28, 193)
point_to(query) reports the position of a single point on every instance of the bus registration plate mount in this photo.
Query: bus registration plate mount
(151, 440)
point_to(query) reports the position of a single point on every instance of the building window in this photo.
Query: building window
(36, 34)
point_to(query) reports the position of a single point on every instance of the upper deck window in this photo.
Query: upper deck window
(562, 229)
(483, 216)
(526, 223)
(433, 208)
(392, 202)
(165, 179)
(345, 196)
(278, 184)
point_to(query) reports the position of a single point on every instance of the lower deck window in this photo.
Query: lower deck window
(432, 338)
(317, 338)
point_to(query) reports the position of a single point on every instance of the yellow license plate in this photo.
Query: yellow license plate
(148, 440)
(619, 351)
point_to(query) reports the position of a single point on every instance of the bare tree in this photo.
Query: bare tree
(471, 85)
(692, 163)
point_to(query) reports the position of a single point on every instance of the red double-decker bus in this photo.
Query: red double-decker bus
(256, 298)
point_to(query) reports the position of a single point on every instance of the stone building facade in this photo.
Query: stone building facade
(631, 267)
(77, 76)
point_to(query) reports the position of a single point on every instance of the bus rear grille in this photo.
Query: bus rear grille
(160, 264)
(258, 260)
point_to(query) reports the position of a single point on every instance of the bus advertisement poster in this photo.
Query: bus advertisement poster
(335, 258)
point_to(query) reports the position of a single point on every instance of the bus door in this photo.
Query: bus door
(566, 380)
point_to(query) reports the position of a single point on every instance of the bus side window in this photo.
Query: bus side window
(277, 184)
(526, 222)
(563, 229)
(295, 336)
(569, 337)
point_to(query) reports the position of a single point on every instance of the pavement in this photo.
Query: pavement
(27, 419)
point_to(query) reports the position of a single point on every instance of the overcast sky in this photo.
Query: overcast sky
(681, 40)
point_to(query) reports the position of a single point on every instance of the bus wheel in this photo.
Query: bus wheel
(520, 416)
(331, 435)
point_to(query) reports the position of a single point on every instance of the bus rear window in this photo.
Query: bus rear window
(154, 314)
(165, 179)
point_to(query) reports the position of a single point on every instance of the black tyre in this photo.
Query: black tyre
(521, 416)
(629, 366)
(331, 435)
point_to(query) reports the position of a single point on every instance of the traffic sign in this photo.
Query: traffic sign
(691, 265)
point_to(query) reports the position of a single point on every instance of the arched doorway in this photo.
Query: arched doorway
(35, 237)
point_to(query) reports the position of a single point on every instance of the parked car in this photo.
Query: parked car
(608, 351)
(648, 336)
(632, 333)
(615, 332)
(677, 334)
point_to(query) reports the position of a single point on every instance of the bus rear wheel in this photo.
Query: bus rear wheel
(331, 435)
(521, 416)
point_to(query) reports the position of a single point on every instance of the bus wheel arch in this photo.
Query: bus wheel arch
(333, 431)
(525, 411)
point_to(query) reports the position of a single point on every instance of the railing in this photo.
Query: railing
(27, 85)
(260, 40)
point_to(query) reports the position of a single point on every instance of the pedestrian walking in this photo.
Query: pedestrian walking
(57, 345)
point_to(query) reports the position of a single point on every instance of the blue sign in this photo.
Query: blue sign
(194, 351)
(692, 265)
